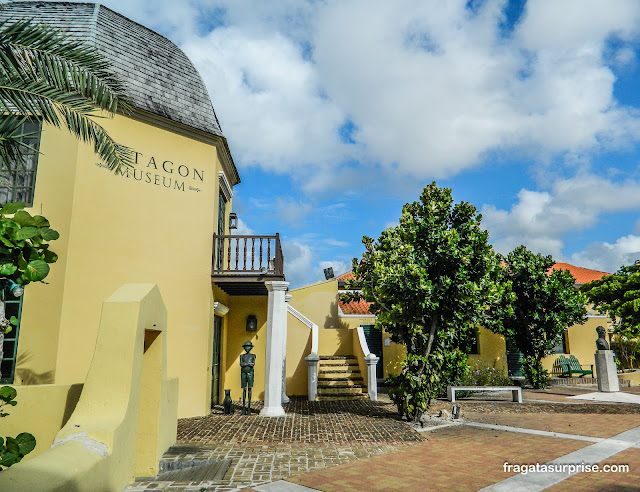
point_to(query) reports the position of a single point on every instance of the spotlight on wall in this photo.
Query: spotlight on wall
(16, 289)
(328, 273)
(233, 220)
(252, 323)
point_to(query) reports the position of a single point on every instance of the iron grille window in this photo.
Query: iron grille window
(18, 179)
(13, 307)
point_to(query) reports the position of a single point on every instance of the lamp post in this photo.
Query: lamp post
(17, 290)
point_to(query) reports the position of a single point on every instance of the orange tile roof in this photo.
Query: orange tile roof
(354, 307)
(582, 275)
(346, 276)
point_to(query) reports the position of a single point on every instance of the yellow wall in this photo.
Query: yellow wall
(235, 334)
(298, 347)
(335, 341)
(492, 351)
(114, 230)
(42, 410)
(318, 302)
(392, 356)
(581, 342)
(119, 428)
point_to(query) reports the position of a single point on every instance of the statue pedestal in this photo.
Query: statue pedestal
(606, 371)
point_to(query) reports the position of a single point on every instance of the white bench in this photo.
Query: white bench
(516, 391)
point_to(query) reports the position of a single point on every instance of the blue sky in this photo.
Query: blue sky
(339, 112)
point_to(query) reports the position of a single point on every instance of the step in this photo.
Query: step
(339, 384)
(333, 379)
(337, 357)
(342, 397)
(338, 363)
(339, 373)
(334, 391)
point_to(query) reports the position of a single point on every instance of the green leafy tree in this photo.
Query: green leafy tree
(536, 308)
(45, 74)
(429, 283)
(618, 295)
(24, 253)
(13, 449)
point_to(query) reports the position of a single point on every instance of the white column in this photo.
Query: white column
(276, 326)
(312, 363)
(285, 398)
(371, 361)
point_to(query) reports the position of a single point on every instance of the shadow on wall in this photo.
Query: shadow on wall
(297, 383)
(333, 320)
(28, 376)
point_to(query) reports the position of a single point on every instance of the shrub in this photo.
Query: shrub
(13, 449)
(487, 376)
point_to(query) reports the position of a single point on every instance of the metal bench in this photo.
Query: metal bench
(572, 366)
(516, 391)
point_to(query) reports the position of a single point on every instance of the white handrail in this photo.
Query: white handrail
(310, 324)
(371, 360)
(363, 341)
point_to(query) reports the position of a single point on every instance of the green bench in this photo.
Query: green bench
(572, 366)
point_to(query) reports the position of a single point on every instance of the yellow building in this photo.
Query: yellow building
(321, 303)
(154, 223)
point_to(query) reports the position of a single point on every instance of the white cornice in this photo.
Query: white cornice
(225, 187)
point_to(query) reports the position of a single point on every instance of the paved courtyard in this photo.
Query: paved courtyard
(362, 445)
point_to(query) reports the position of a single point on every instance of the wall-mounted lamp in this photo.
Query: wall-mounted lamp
(252, 323)
(16, 289)
(233, 220)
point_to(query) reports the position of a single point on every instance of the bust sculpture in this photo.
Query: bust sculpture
(247, 361)
(601, 342)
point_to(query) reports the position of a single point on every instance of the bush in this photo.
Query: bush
(627, 352)
(487, 376)
(13, 449)
(533, 372)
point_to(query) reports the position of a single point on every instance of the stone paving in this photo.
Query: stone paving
(362, 445)
(312, 436)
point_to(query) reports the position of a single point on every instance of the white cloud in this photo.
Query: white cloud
(541, 219)
(269, 99)
(434, 107)
(430, 87)
(339, 267)
(298, 259)
(609, 257)
(243, 229)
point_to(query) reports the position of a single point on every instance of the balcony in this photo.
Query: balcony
(242, 264)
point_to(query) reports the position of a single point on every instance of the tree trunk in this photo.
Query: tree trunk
(432, 335)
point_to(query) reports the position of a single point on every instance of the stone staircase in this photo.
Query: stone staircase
(339, 378)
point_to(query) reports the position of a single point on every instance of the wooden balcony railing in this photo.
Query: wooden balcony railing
(258, 255)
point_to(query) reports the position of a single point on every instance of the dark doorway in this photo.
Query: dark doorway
(374, 341)
(215, 362)
(514, 359)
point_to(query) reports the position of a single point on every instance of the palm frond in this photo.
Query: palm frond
(39, 52)
(12, 144)
(46, 74)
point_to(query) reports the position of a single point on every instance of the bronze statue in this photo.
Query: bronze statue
(601, 342)
(227, 403)
(247, 361)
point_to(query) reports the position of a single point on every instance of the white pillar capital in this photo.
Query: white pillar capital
(287, 297)
(276, 285)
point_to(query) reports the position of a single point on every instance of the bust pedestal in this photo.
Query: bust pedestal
(606, 371)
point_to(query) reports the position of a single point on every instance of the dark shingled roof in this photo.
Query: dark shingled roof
(159, 76)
